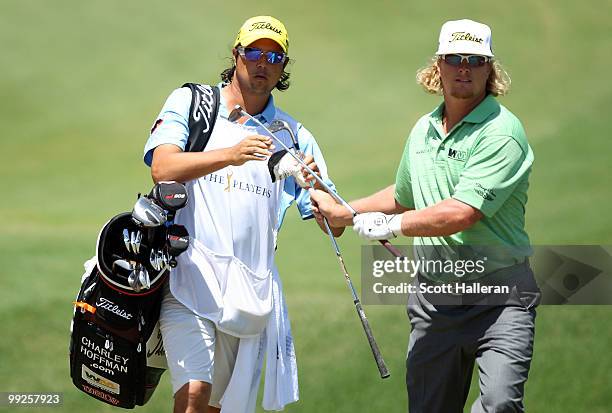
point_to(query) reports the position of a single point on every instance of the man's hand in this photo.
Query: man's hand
(374, 226)
(323, 204)
(309, 160)
(251, 148)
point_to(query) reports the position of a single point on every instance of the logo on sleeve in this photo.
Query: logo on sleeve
(485, 193)
(155, 125)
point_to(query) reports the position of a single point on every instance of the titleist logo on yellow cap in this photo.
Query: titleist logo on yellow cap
(264, 26)
(464, 36)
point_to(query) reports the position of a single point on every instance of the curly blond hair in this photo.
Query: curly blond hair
(428, 77)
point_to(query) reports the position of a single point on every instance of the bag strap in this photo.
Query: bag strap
(202, 115)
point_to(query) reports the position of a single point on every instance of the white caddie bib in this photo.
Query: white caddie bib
(231, 215)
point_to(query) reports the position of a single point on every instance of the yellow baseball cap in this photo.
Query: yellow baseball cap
(263, 27)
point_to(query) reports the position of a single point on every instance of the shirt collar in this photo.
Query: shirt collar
(265, 116)
(479, 114)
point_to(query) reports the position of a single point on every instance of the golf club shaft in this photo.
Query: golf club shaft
(380, 362)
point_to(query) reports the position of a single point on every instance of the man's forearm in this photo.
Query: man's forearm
(382, 201)
(445, 218)
(186, 166)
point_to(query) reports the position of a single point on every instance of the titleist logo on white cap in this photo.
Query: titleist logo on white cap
(465, 37)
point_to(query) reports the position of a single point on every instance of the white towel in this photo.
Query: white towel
(281, 385)
(281, 382)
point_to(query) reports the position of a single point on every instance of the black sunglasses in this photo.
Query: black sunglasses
(471, 60)
(253, 54)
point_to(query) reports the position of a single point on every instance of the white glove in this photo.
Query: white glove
(288, 166)
(374, 226)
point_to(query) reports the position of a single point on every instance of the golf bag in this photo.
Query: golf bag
(116, 353)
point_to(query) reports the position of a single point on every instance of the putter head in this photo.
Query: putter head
(235, 114)
(148, 214)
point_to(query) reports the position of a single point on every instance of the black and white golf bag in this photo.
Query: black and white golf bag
(116, 352)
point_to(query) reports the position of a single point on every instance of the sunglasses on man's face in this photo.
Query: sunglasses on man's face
(253, 54)
(471, 60)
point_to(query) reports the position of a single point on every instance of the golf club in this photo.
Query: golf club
(153, 260)
(148, 214)
(126, 238)
(122, 267)
(380, 362)
(143, 277)
(133, 281)
(133, 241)
(137, 242)
(278, 125)
(169, 195)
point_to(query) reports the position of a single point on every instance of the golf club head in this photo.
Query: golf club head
(143, 278)
(137, 242)
(166, 261)
(160, 260)
(177, 240)
(235, 114)
(277, 125)
(122, 267)
(170, 195)
(133, 281)
(126, 239)
(153, 260)
(133, 241)
(148, 214)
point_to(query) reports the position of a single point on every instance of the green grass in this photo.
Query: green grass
(83, 81)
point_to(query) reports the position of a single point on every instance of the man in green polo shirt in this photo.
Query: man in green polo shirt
(461, 186)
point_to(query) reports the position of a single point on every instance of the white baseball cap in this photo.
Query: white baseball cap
(465, 37)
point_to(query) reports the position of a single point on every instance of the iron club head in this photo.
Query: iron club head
(133, 281)
(122, 267)
(126, 238)
(278, 125)
(235, 114)
(143, 277)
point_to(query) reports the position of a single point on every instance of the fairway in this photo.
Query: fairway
(83, 82)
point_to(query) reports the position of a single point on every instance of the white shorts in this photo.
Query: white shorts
(195, 349)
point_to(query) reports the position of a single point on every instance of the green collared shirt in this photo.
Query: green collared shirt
(484, 161)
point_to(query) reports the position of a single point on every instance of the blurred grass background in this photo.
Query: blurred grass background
(83, 82)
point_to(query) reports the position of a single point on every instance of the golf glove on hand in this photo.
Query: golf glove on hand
(374, 226)
(282, 164)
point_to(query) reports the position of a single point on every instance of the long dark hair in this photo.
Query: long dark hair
(282, 84)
